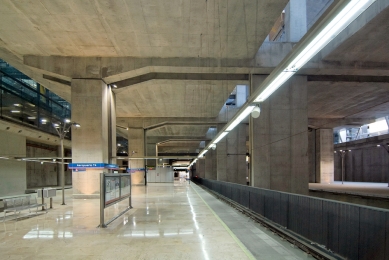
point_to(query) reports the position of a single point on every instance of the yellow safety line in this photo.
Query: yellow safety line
(245, 250)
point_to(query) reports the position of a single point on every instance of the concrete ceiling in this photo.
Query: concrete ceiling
(178, 31)
(179, 146)
(370, 44)
(356, 92)
(179, 130)
(138, 28)
(173, 98)
(329, 99)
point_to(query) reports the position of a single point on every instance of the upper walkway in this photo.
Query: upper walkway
(168, 221)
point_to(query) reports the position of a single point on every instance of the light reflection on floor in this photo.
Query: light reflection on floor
(168, 221)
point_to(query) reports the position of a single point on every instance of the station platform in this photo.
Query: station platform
(168, 221)
(379, 190)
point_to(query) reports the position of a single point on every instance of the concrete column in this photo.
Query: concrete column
(92, 143)
(312, 155)
(200, 168)
(59, 181)
(210, 165)
(112, 130)
(13, 177)
(136, 148)
(295, 20)
(255, 81)
(324, 155)
(231, 156)
(280, 143)
(241, 95)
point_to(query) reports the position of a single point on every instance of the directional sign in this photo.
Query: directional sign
(92, 166)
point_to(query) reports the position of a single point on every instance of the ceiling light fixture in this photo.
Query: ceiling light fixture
(221, 136)
(314, 41)
(203, 153)
(312, 44)
(240, 117)
(256, 112)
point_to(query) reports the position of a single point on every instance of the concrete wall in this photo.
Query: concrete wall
(368, 164)
(12, 173)
(160, 174)
(39, 175)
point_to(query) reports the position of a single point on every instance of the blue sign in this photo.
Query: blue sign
(92, 166)
(111, 166)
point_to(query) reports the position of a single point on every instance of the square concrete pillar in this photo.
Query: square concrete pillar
(210, 165)
(295, 20)
(93, 142)
(136, 148)
(200, 168)
(231, 156)
(324, 155)
(280, 142)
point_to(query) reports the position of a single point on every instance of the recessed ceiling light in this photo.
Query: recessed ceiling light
(15, 111)
(17, 105)
(31, 117)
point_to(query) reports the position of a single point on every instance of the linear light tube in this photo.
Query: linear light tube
(351, 11)
(242, 116)
(348, 14)
(274, 85)
(221, 136)
(202, 153)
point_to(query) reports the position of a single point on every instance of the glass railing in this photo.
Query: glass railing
(24, 103)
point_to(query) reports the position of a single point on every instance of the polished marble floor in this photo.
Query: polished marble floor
(168, 221)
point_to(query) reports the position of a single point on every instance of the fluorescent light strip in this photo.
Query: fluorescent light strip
(348, 14)
(221, 136)
(242, 116)
(339, 23)
(274, 85)
(202, 153)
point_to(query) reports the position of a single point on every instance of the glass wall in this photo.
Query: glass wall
(22, 100)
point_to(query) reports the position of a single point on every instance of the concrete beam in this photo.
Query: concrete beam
(243, 78)
(318, 123)
(154, 122)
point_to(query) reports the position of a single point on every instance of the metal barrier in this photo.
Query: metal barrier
(352, 231)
